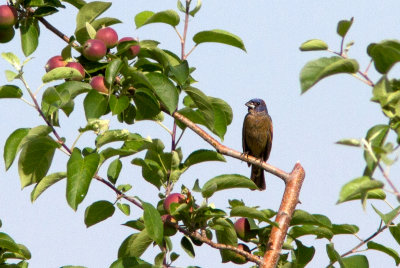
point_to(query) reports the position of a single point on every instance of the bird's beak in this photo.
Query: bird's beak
(250, 105)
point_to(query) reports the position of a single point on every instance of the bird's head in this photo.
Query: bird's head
(257, 105)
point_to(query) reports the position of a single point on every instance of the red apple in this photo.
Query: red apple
(169, 222)
(242, 228)
(98, 83)
(79, 67)
(6, 34)
(55, 62)
(8, 16)
(133, 50)
(94, 49)
(108, 35)
(173, 198)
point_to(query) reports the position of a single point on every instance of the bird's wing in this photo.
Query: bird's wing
(244, 145)
(268, 146)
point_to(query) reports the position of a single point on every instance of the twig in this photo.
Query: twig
(183, 40)
(56, 31)
(118, 192)
(37, 107)
(204, 239)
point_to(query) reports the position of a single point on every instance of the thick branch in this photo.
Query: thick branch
(228, 151)
(289, 201)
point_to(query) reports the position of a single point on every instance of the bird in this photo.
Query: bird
(257, 136)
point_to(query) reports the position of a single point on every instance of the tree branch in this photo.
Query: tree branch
(204, 239)
(289, 201)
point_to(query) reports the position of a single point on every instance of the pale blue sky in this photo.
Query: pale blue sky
(305, 127)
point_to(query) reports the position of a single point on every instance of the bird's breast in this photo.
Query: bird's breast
(257, 132)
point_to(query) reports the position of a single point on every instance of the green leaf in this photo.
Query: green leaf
(319, 232)
(88, 13)
(12, 144)
(153, 223)
(35, 159)
(202, 102)
(187, 246)
(146, 17)
(356, 261)
(130, 262)
(62, 73)
(136, 224)
(116, 135)
(125, 208)
(147, 105)
(98, 211)
(91, 31)
(358, 188)
(227, 181)
(10, 91)
(196, 9)
(318, 69)
(333, 254)
(344, 229)
(112, 70)
(10, 75)
(395, 232)
(98, 126)
(226, 234)
(376, 135)
(135, 245)
(219, 36)
(113, 170)
(45, 11)
(12, 59)
(45, 183)
(6, 242)
(118, 104)
(95, 105)
(344, 26)
(253, 213)
(104, 22)
(303, 254)
(388, 217)
(391, 252)
(180, 72)
(350, 142)
(80, 171)
(39, 131)
(384, 54)
(165, 90)
(181, 7)
(29, 36)
(76, 3)
(301, 217)
(313, 45)
(203, 155)
(222, 116)
(151, 171)
(381, 90)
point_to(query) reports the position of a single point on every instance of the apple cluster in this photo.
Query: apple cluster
(94, 50)
(8, 18)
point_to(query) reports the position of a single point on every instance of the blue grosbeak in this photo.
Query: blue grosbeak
(257, 137)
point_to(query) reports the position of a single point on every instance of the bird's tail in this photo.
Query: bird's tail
(257, 176)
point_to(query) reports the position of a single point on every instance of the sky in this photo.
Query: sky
(306, 126)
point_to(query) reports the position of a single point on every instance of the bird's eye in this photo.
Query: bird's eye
(258, 103)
